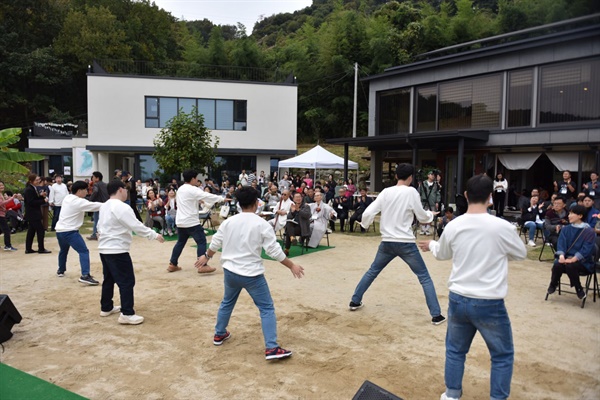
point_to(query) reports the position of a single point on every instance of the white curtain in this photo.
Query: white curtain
(515, 161)
(570, 161)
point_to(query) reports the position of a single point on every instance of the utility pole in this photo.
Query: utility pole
(355, 97)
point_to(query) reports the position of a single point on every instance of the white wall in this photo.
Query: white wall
(116, 111)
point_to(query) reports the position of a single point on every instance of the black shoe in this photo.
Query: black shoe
(30, 251)
(551, 289)
(353, 306)
(440, 319)
(88, 280)
(60, 273)
(581, 294)
(44, 251)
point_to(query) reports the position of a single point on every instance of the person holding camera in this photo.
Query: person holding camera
(429, 191)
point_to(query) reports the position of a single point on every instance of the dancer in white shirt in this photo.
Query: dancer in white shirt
(399, 205)
(187, 219)
(242, 238)
(74, 207)
(117, 220)
(480, 246)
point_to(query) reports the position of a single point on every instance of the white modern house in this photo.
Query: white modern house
(255, 122)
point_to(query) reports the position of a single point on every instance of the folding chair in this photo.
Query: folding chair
(524, 232)
(205, 219)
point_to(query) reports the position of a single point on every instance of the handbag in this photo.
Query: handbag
(224, 213)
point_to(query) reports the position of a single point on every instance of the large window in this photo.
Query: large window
(520, 96)
(470, 103)
(570, 92)
(218, 114)
(426, 108)
(394, 111)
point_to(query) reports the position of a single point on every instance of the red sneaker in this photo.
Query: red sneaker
(277, 352)
(219, 339)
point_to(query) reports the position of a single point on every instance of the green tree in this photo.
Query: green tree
(185, 143)
(10, 157)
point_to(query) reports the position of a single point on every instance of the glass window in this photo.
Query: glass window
(207, 108)
(426, 108)
(570, 92)
(151, 122)
(168, 109)
(148, 167)
(224, 114)
(520, 86)
(394, 110)
(186, 105)
(239, 116)
(151, 107)
(470, 103)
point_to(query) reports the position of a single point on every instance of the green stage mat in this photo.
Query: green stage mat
(18, 385)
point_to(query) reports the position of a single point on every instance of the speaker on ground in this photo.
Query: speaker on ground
(8, 317)
(370, 391)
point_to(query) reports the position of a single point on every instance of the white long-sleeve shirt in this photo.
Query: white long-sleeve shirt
(398, 206)
(480, 246)
(116, 222)
(188, 204)
(73, 211)
(284, 205)
(57, 194)
(242, 237)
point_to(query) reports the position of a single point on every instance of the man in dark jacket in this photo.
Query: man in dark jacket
(360, 205)
(99, 195)
(34, 201)
(341, 205)
(132, 196)
(298, 222)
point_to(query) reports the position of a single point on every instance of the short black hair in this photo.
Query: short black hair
(404, 170)
(113, 186)
(450, 210)
(97, 174)
(77, 186)
(246, 196)
(479, 189)
(579, 210)
(561, 199)
(188, 175)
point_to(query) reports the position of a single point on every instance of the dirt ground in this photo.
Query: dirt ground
(390, 342)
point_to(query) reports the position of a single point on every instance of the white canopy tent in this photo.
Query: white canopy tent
(317, 158)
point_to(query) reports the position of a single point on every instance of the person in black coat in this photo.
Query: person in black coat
(34, 201)
(360, 205)
(341, 205)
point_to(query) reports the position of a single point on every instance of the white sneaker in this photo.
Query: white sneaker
(115, 310)
(531, 243)
(444, 397)
(130, 319)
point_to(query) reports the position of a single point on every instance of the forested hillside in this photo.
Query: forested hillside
(47, 45)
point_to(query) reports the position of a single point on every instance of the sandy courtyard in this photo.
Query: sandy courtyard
(390, 341)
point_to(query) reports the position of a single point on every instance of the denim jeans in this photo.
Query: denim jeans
(73, 239)
(410, 254)
(531, 227)
(55, 215)
(197, 233)
(466, 316)
(117, 268)
(170, 220)
(258, 289)
(95, 228)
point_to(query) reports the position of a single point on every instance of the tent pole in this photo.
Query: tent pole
(346, 162)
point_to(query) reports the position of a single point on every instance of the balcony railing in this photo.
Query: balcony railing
(180, 69)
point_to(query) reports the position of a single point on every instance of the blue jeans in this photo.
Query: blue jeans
(73, 239)
(197, 233)
(531, 227)
(410, 254)
(117, 268)
(258, 289)
(55, 215)
(466, 316)
(96, 217)
(170, 220)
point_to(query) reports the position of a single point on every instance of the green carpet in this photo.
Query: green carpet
(296, 250)
(18, 385)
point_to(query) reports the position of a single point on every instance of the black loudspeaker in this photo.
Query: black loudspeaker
(370, 391)
(8, 317)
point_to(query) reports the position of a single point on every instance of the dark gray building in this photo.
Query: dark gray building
(526, 104)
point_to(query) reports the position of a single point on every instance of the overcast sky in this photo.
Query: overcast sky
(230, 12)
